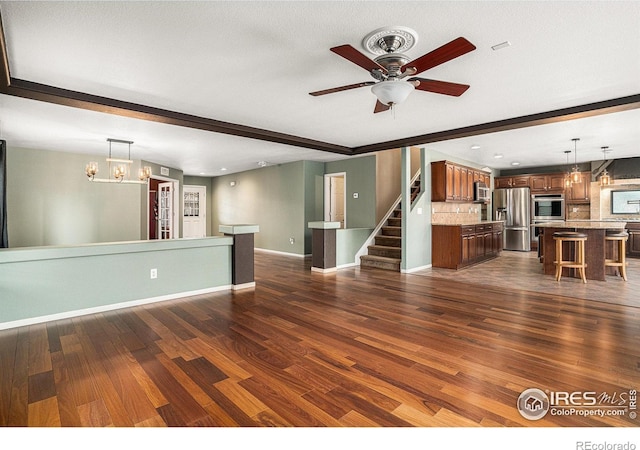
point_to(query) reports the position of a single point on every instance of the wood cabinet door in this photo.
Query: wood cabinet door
(457, 179)
(633, 244)
(579, 192)
(556, 182)
(538, 183)
(521, 181)
(450, 182)
(503, 182)
(464, 187)
(470, 185)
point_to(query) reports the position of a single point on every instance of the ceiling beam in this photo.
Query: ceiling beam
(548, 117)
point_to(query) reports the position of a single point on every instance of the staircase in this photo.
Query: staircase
(386, 252)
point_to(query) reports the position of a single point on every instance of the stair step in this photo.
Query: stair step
(384, 250)
(380, 262)
(394, 221)
(391, 231)
(388, 241)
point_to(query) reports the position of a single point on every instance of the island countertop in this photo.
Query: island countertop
(583, 225)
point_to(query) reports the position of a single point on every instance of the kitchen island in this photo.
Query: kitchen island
(594, 247)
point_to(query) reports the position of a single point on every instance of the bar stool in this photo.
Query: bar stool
(578, 261)
(619, 239)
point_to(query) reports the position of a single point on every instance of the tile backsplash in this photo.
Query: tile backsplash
(455, 213)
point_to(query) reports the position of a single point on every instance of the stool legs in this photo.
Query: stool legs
(578, 258)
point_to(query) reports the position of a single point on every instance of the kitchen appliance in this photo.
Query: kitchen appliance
(513, 205)
(547, 207)
(482, 193)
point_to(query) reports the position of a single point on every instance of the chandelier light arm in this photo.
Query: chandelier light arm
(118, 168)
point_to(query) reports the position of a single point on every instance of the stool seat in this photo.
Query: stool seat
(569, 234)
(618, 238)
(617, 234)
(578, 261)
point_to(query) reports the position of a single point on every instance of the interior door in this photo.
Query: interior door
(165, 210)
(335, 198)
(194, 212)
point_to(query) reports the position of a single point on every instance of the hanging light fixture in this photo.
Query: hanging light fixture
(391, 92)
(576, 176)
(119, 169)
(567, 178)
(605, 179)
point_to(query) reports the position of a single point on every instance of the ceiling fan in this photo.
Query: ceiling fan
(391, 67)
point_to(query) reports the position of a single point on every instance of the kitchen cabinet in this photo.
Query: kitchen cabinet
(633, 244)
(580, 192)
(458, 246)
(547, 183)
(452, 182)
(510, 182)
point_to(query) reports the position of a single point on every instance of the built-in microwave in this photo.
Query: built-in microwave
(482, 193)
(547, 207)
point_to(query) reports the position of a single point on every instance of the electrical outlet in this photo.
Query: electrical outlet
(153, 274)
(355, 195)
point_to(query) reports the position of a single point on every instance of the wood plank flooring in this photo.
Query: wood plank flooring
(356, 348)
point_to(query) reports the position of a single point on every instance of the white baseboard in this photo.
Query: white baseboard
(266, 250)
(328, 270)
(416, 269)
(105, 308)
(237, 287)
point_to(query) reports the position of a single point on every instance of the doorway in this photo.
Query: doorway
(335, 200)
(162, 218)
(194, 211)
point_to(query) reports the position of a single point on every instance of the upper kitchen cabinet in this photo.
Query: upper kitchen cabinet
(580, 192)
(452, 182)
(547, 183)
(512, 182)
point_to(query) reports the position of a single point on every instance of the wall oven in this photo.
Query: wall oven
(546, 207)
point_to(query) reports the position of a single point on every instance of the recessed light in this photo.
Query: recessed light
(498, 155)
(262, 163)
(501, 45)
(223, 169)
(515, 163)
(475, 147)
(202, 173)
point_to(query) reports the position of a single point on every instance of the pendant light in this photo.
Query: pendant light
(576, 177)
(605, 179)
(567, 178)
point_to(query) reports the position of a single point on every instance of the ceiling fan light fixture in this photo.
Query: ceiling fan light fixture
(392, 92)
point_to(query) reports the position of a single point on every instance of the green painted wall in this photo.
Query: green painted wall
(50, 202)
(270, 197)
(416, 223)
(313, 199)
(360, 179)
(39, 282)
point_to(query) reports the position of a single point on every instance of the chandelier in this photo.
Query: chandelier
(119, 169)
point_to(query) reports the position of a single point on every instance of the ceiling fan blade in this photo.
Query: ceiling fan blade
(447, 52)
(380, 107)
(353, 55)
(342, 88)
(441, 87)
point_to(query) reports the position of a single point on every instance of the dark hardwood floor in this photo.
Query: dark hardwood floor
(356, 348)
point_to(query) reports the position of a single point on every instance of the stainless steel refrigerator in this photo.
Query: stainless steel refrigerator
(513, 205)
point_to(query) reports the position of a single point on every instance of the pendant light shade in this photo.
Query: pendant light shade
(392, 92)
(605, 178)
(576, 176)
(567, 178)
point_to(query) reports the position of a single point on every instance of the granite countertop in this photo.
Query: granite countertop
(459, 224)
(584, 224)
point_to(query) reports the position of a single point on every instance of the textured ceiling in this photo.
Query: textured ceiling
(253, 64)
